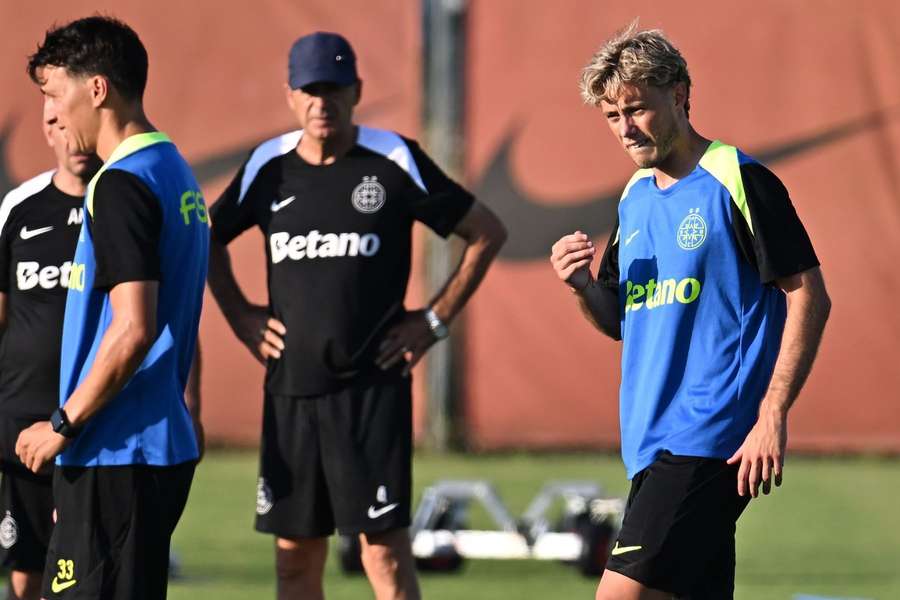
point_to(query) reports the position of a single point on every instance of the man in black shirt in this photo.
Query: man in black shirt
(39, 224)
(336, 203)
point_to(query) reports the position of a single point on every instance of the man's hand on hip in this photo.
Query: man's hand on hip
(263, 335)
(571, 258)
(38, 445)
(761, 456)
(407, 340)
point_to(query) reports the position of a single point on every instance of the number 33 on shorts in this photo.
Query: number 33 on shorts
(64, 577)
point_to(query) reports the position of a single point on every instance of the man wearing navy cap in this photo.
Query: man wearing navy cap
(336, 203)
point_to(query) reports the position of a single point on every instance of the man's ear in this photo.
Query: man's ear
(680, 94)
(289, 96)
(98, 87)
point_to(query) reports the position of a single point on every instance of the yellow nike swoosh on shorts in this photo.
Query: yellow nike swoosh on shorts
(57, 587)
(622, 550)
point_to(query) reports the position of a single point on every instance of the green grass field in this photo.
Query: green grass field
(832, 529)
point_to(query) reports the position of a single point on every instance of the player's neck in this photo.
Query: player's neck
(682, 159)
(69, 183)
(117, 126)
(326, 151)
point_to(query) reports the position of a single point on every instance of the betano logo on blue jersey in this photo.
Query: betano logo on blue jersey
(654, 294)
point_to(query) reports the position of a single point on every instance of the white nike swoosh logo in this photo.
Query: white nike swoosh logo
(27, 235)
(276, 206)
(375, 513)
(631, 237)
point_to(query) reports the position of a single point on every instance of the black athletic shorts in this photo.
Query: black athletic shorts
(678, 532)
(339, 460)
(114, 524)
(26, 506)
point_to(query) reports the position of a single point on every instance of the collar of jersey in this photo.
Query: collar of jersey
(133, 143)
(128, 146)
(698, 169)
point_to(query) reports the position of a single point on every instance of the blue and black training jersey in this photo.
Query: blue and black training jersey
(145, 220)
(701, 319)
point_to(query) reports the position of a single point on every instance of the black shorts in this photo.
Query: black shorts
(678, 532)
(339, 460)
(114, 524)
(26, 506)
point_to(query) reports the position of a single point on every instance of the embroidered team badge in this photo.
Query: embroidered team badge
(692, 232)
(9, 532)
(263, 497)
(369, 195)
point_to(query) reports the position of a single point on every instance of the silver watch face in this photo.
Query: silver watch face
(437, 327)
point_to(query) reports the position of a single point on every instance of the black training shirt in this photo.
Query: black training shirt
(338, 247)
(39, 227)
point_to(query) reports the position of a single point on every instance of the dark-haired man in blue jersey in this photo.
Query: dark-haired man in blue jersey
(123, 437)
(712, 284)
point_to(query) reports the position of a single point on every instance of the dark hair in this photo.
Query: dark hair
(96, 45)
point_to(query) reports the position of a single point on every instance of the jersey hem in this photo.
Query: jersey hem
(721, 452)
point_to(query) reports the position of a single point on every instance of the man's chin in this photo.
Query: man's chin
(645, 162)
(644, 158)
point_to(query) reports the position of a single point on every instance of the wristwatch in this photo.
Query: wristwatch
(61, 425)
(438, 328)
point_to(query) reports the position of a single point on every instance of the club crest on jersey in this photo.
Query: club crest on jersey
(263, 497)
(9, 532)
(369, 195)
(692, 232)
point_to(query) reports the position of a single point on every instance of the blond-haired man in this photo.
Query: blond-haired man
(712, 283)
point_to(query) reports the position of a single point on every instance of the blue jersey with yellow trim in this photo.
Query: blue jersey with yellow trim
(147, 422)
(700, 331)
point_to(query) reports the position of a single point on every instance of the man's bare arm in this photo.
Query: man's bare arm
(261, 334)
(484, 235)
(761, 455)
(808, 309)
(124, 345)
(571, 258)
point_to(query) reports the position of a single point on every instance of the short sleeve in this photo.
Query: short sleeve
(773, 240)
(126, 225)
(230, 215)
(608, 272)
(443, 203)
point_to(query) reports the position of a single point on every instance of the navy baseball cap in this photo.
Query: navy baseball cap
(321, 56)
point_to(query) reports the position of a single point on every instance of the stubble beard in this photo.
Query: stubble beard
(663, 145)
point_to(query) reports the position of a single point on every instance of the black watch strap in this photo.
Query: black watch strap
(61, 425)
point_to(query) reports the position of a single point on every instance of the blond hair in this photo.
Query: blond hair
(636, 57)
